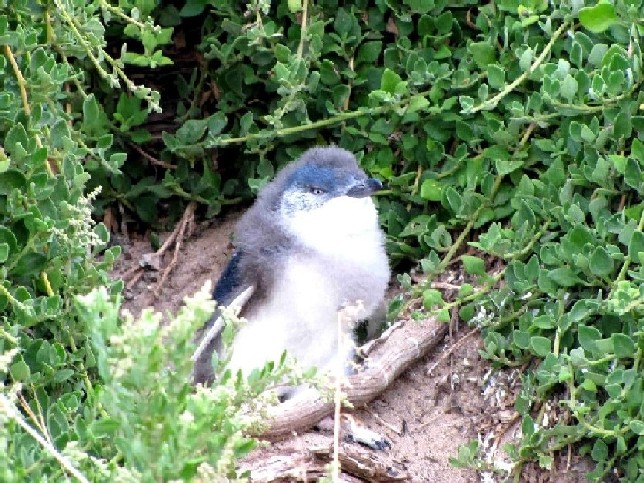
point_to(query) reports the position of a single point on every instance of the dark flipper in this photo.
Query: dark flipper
(228, 287)
(229, 281)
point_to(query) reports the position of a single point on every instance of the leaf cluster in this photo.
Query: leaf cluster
(141, 419)
(513, 128)
(84, 393)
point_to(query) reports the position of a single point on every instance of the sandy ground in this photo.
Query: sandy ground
(441, 403)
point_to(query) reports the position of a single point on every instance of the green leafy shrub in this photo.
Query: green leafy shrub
(511, 127)
(53, 135)
(84, 394)
(48, 242)
(142, 420)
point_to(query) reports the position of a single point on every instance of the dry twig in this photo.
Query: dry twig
(185, 226)
(452, 349)
(151, 158)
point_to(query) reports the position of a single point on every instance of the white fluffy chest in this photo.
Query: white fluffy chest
(343, 227)
(342, 260)
(301, 317)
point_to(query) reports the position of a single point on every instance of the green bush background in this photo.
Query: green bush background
(512, 128)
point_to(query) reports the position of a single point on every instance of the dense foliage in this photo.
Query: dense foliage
(512, 128)
(84, 394)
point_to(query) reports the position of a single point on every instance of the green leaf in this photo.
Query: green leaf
(623, 345)
(582, 309)
(555, 174)
(525, 61)
(506, 167)
(636, 245)
(465, 132)
(597, 53)
(20, 371)
(599, 452)
(294, 6)
(598, 18)
(193, 8)
(10, 180)
(633, 174)
(521, 338)
(622, 126)
(282, 53)
(4, 162)
(601, 264)
(587, 337)
(569, 88)
(216, 123)
(619, 162)
(343, 21)
(431, 189)
(541, 346)
(421, 6)
(637, 426)
(564, 277)
(417, 103)
(16, 141)
(467, 313)
(637, 150)
(30, 264)
(473, 265)
(389, 81)
(191, 131)
(63, 375)
(444, 23)
(483, 53)
(496, 154)
(578, 357)
(495, 76)
(369, 52)
(102, 428)
(444, 315)
(92, 116)
(4, 252)
(8, 237)
(544, 322)
(432, 298)
(454, 199)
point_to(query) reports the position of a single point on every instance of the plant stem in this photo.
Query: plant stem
(337, 405)
(627, 259)
(330, 121)
(6, 335)
(22, 86)
(7, 407)
(119, 13)
(535, 238)
(300, 47)
(492, 103)
(470, 224)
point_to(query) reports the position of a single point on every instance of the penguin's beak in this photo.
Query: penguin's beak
(364, 188)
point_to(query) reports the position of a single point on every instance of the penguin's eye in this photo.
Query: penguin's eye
(316, 191)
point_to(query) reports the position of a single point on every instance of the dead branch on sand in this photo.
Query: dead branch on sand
(408, 343)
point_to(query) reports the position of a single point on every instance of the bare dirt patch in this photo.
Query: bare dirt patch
(443, 401)
(202, 257)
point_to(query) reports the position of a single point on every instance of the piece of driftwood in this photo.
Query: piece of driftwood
(286, 467)
(401, 348)
(365, 464)
(311, 464)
